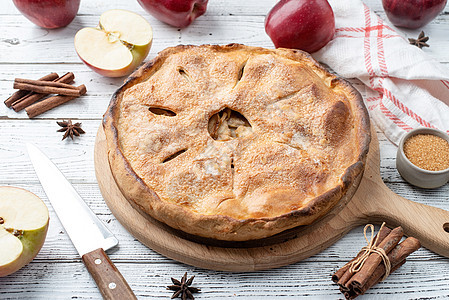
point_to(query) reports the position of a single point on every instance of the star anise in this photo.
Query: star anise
(420, 41)
(70, 129)
(182, 288)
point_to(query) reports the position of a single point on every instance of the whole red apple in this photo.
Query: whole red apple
(178, 13)
(49, 13)
(301, 24)
(412, 13)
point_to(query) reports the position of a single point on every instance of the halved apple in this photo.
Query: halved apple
(117, 46)
(23, 228)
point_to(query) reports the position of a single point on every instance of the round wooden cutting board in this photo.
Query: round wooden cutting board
(372, 203)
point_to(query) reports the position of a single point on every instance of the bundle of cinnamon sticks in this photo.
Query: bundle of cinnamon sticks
(31, 91)
(373, 270)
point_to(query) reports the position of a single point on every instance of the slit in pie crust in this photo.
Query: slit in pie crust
(235, 142)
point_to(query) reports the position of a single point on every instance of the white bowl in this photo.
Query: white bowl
(415, 175)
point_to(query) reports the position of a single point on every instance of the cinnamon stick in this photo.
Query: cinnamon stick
(72, 91)
(352, 294)
(47, 104)
(44, 83)
(361, 277)
(22, 93)
(343, 275)
(34, 97)
(396, 256)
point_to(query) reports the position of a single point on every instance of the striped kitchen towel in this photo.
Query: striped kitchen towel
(407, 88)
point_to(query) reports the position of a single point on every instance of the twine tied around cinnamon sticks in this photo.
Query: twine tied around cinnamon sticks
(357, 264)
(370, 266)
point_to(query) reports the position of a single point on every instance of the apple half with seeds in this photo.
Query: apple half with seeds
(23, 228)
(117, 46)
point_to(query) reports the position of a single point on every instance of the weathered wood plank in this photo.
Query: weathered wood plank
(59, 248)
(70, 156)
(43, 280)
(217, 7)
(89, 106)
(57, 272)
(220, 7)
(75, 158)
(26, 43)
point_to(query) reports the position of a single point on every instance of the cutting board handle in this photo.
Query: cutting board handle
(372, 203)
(430, 225)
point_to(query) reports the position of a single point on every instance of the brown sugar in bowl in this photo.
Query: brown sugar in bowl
(427, 151)
(423, 157)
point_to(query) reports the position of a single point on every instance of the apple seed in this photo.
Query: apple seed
(129, 45)
(15, 232)
(118, 45)
(2, 221)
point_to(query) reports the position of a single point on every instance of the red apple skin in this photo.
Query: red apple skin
(412, 13)
(48, 13)
(307, 25)
(177, 13)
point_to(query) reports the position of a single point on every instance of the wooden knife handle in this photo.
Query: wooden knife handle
(110, 282)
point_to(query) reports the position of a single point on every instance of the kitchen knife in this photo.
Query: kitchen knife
(88, 234)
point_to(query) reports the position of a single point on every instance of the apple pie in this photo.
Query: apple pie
(236, 143)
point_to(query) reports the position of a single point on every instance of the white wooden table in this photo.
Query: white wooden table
(58, 273)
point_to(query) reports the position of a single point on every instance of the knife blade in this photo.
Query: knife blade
(89, 235)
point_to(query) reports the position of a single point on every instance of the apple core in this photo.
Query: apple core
(23, 228)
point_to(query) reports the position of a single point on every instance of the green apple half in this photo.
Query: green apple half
(117, 46)
(23, 228)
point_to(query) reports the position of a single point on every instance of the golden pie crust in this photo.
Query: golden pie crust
(234, 142)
